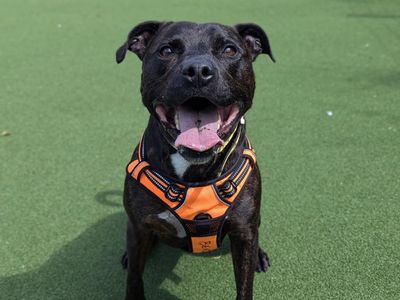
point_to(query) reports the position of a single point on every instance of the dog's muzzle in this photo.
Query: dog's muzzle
(198, 124)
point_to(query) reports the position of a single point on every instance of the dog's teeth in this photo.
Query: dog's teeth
(242, 121)
(177, 121)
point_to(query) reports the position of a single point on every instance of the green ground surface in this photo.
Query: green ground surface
(331, 183)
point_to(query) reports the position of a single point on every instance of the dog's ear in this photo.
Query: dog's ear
(255, 39)
(138, 39)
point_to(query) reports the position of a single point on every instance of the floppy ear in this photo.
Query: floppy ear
(138, 40)
(255, 39)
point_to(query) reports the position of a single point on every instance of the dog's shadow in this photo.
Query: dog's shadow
(89, 266)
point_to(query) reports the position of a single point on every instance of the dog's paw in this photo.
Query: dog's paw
(124, 260)
(263, 262)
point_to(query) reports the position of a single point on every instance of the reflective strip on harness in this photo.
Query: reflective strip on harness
(156, 190)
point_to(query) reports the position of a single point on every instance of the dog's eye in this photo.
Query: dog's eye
(230, 51)
(166, 51)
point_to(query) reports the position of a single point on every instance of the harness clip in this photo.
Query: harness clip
(228, 188)
(174, 193)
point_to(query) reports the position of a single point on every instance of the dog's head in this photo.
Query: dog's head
(197, 79)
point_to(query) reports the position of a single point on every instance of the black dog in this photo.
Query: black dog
(197, 83)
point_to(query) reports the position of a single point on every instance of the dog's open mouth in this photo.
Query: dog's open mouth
(199, 124)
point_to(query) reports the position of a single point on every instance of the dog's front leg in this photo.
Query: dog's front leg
(139, 244)
(244, 247)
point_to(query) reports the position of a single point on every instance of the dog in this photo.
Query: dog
(193, 178)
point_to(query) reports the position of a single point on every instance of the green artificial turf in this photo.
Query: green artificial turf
(331, 183)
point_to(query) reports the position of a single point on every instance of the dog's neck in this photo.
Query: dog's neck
(165, 158)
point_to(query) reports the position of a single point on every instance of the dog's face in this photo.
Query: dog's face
(197, 79)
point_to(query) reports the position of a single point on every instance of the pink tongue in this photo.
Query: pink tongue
(198, 129)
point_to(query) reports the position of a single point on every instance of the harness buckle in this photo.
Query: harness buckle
(228, 188)
(174, 193)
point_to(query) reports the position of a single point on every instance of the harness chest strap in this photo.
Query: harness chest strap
(201, 208)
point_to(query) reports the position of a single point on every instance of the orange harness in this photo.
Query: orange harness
(202, 208)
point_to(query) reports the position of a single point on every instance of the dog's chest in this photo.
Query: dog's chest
(167, 217)
(179, 164)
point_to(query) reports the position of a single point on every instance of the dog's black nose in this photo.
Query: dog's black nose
(198, 73)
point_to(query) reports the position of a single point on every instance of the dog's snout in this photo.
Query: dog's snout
(198, 73)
